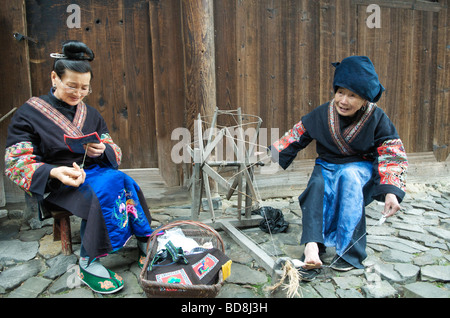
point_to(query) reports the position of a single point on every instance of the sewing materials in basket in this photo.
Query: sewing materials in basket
(199, 266)
(199, 269)
(177, 237)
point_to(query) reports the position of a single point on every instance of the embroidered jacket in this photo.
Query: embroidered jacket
(368, 136)
(35, 142)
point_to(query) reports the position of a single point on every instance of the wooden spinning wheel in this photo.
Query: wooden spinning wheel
(205, 164)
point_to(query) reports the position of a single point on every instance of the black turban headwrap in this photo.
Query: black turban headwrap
(357, 74)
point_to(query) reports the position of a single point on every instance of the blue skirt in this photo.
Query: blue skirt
(111, 203)
(333, 208)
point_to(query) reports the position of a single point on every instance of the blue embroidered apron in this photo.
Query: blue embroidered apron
(120, 205)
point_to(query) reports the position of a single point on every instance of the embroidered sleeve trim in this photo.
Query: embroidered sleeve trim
(20, 164)
(106, 139)
(392, 163)
(290, 137)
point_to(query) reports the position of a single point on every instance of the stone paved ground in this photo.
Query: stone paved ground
(408, 256)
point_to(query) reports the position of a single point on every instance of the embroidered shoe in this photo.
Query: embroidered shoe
(141, 260)
(142, 247)
(99, 284)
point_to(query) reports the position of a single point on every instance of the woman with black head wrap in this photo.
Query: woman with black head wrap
(360, 158)
(60, 151)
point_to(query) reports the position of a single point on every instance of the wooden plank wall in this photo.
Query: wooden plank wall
(168, 71)
(15, 85)
(441, 132)
(118, 32)
(273, 59)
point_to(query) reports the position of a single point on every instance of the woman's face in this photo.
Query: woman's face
(72, 87)
(347, 103)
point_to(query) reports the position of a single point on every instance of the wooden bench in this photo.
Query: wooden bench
(62, 231)
(61, 226)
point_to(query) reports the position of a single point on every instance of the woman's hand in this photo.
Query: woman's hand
(74, 176)
(95, 149)
(391, 205)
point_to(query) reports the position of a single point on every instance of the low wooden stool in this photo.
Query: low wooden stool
(62, 231)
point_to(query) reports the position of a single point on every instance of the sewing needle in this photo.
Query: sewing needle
(84, 158)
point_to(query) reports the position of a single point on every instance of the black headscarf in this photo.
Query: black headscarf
(357, 74)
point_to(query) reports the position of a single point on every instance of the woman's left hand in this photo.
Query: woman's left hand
(72, 176)
(95, 149)
(391, 205)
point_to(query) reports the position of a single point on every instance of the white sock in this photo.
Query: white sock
(94, 268)
(142, 246)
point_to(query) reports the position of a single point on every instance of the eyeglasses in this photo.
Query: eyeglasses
(70, 90)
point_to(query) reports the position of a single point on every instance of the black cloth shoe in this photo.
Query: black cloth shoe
(308, 275)
(340, 265)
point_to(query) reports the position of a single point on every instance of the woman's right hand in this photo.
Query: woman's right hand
(71, 176)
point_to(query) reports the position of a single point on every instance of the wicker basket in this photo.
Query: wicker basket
(201, 233)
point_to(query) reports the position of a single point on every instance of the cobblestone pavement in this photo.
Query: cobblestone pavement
(408, 256)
